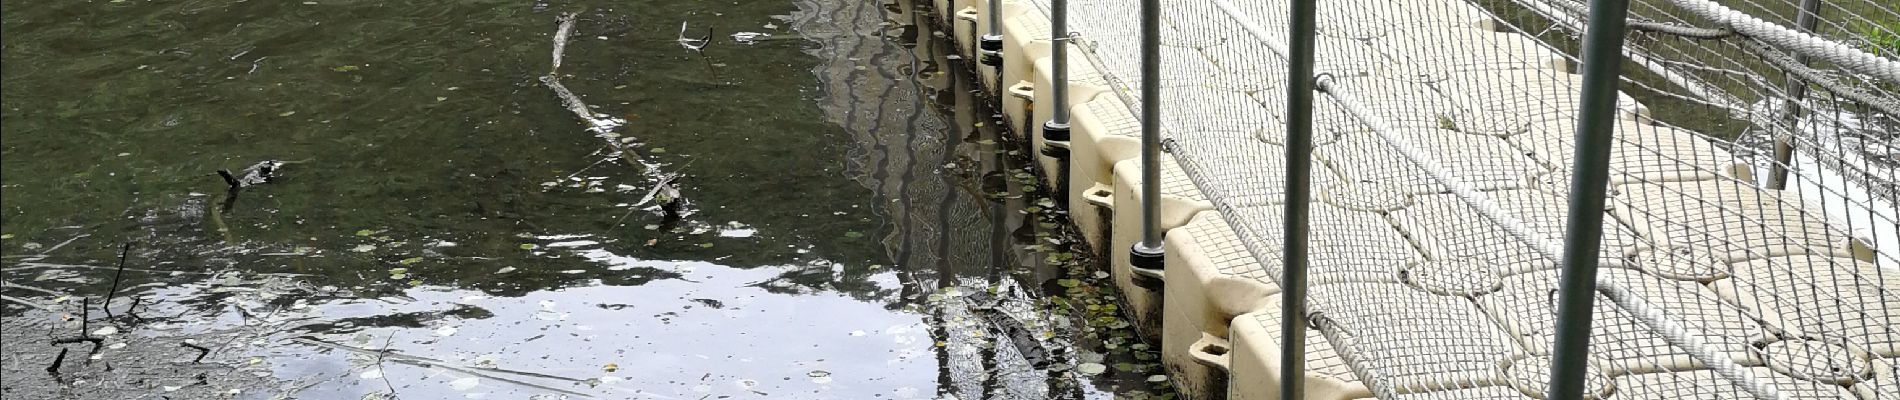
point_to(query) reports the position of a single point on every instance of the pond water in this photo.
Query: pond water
(442, 227)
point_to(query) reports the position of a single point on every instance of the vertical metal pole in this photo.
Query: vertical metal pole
(991, 43)
(1590, 177)
(1299, 167)
(1059, 48)
(1791, 113)
(1148, 254)
(1055, 132)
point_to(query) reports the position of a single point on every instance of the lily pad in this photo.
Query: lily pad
(1091, 368)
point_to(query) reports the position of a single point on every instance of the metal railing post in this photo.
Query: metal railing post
(1055, 132)
(1589, 182)
(991, 43)
(1148, 253)
(1808, 17)
(1299, 167)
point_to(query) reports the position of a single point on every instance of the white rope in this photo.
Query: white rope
(1678, 335)
(1796, 41)
(1255, 29)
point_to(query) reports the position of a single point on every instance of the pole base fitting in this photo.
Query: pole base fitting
(990, 43)
(1148, 265)
(992, 49)
(1055, 133)
(1058, 150)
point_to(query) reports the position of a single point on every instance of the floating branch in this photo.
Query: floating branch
(26, 302)
(664, 184)
(560, 39)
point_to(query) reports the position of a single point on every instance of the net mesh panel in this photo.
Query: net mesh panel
(1445, 140)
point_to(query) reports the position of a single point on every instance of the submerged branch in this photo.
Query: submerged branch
(484, 372)
(26, 302)
(560, 39)
(664, 184)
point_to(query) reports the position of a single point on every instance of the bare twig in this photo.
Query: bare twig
(30, 288)
(54, 367)
(484, 372)
(202, 351)
(24, 266)
(56, 247)
(26, 302)
(85, 328)
(385, 352)
(107, 305)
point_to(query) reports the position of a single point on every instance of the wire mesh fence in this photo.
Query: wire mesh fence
(1749, 244)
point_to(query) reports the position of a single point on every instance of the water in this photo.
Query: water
(853, 228)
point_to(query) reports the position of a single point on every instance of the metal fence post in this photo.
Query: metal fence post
(1299, 167)
(1148, 253)
(1590, 176)
(1808, 17)
(991, 43)
(1057, 129)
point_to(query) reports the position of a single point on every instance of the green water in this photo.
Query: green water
(850, 232)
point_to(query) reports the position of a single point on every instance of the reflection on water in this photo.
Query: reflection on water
(443, 228)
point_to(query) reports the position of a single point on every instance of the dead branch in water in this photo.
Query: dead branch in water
(603, 126)
(25, 302)
(560, 39)
(485, 372)
(116, 277)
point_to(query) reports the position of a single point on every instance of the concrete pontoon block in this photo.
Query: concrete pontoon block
(1344, 245)
(1481, 393)
(1639, 152)
(1410, 340)
(1819, 296)
(1885, 382)
(1103, 133)
(1429, 54)
(1397, 104)
(1188, 113)
(1214, 274)
(1364, 19)
(1624, 344)
(1504, 103)
(1212, 278)
(1708, 385)
(1240, 169)
(1728, 219)
(1007, 10)
(1445, 227)
(1485, 163)
(1256, 365)
(1180, 201)
(1025, 40)
(1085, 82)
